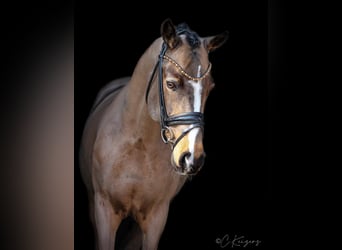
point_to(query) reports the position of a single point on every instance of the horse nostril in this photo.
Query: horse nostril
(191, 164)
(182, 159)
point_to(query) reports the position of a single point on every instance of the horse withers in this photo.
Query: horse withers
(143, 137)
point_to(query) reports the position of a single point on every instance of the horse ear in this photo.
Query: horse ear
(214, 42)
(169, 35)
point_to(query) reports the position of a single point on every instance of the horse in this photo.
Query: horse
(143, 138)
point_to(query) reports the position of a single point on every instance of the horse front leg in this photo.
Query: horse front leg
(152, 225)
(107, 223)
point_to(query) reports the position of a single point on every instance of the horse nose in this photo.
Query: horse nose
(190, 163)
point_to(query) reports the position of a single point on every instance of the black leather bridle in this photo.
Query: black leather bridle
(194, 119)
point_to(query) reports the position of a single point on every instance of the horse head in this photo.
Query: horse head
(183, 76)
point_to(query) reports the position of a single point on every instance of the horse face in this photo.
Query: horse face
(186, 83)
(183, 95)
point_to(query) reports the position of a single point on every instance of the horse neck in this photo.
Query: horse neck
(136, 110)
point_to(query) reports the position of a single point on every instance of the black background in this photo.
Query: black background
(233, 193)
(266, 175)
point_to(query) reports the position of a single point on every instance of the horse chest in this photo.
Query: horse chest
(140, 189)
(148, 174)
(138, 178)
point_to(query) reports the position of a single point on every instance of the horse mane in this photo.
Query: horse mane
(191, 36)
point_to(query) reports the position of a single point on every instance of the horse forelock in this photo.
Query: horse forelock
(191, 36)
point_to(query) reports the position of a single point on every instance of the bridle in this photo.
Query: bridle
(195, 119)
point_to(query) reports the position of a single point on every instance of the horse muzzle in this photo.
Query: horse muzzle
(189, 164)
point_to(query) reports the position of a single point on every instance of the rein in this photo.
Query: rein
(194, 119)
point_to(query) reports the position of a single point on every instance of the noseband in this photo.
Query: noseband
(194, 119)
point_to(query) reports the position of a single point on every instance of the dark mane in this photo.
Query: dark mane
(191, 36)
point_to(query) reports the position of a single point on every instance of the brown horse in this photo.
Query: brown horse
(125, 157)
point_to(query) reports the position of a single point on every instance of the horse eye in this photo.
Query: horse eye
(171, 85)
